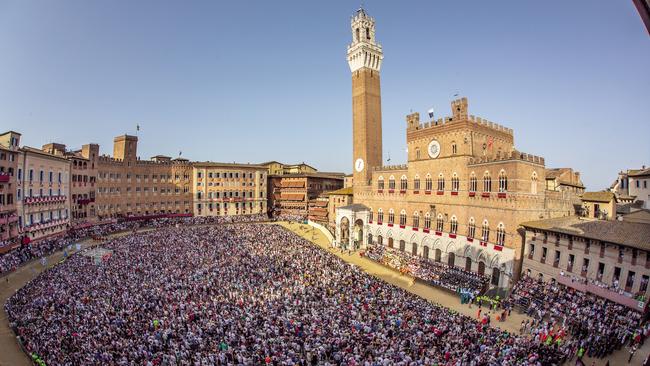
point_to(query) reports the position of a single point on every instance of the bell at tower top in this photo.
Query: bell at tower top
(364, 51)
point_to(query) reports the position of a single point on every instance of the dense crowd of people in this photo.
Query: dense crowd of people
(289, 217)
(598, 326)
(246, 294)
(36, 249)
(436, 273)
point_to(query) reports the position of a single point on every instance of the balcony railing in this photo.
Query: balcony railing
(44, 199)
(45, 225)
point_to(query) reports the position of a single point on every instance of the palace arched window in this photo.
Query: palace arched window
(370, 215)
(391, 216)
(416, 219)
(402, 218)
(417, 153)
(440, 223)
(403, 183)
(380, 216)
(454, 148)
(485, 231)
(487, 182)
(391, 183)
(453, 225)
(380, 182)
(473, 183)
(428, 183)
(416, 183)
(471, 228)
(441, 182)
(503, 181)
(501, 234)
(533, 183)
(455, 183)
(427, 221)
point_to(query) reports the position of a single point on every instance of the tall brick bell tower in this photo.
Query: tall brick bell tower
(365, 57)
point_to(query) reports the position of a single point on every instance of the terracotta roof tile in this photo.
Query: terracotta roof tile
(635, 235)
(602, 196)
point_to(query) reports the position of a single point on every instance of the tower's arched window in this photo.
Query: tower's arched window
(440, 223)
(402, 218)
(380, 216)
(380, 183)
(503, 181)
(403, 183)
(391, 183)
(441, 182)
(471, 228)
(357, 34)
(485, 231)
(533, 183)
(367, 33)
(416, 219)
(416, 183)
(428, 183)
(391, 216)
(454, 148)
(487, 182)
(453, 225)
(501, 234)
(455, 183)
(417, 153)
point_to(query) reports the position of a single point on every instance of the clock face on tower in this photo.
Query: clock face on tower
(358, 165)
(434, 149)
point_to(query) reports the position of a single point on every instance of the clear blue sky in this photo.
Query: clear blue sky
(253, 81)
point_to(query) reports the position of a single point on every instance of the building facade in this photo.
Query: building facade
(9, 228)
(277, 168)
(639, 185)
(289, 194)
(222, 189)
(43, 196)
(462, 194)
(633, 185)
(128, 186)
(607, 257)
(599, 205)
(83, 179)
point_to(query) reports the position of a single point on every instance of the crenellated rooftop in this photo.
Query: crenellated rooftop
(390, 167)
(110, 160)
(459, 109)
(513, 155)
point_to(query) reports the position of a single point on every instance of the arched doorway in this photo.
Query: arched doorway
(402, 245)
(496, 275)
(369, 239)
(481, 268)
(425, 252)
(345, 231)
(414, 249)
(451, 259)
(380, 240)
(468, 264)
(438, 255)
(357, 237)
(390, 242)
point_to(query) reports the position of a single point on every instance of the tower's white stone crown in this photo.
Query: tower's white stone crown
(364, 51)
